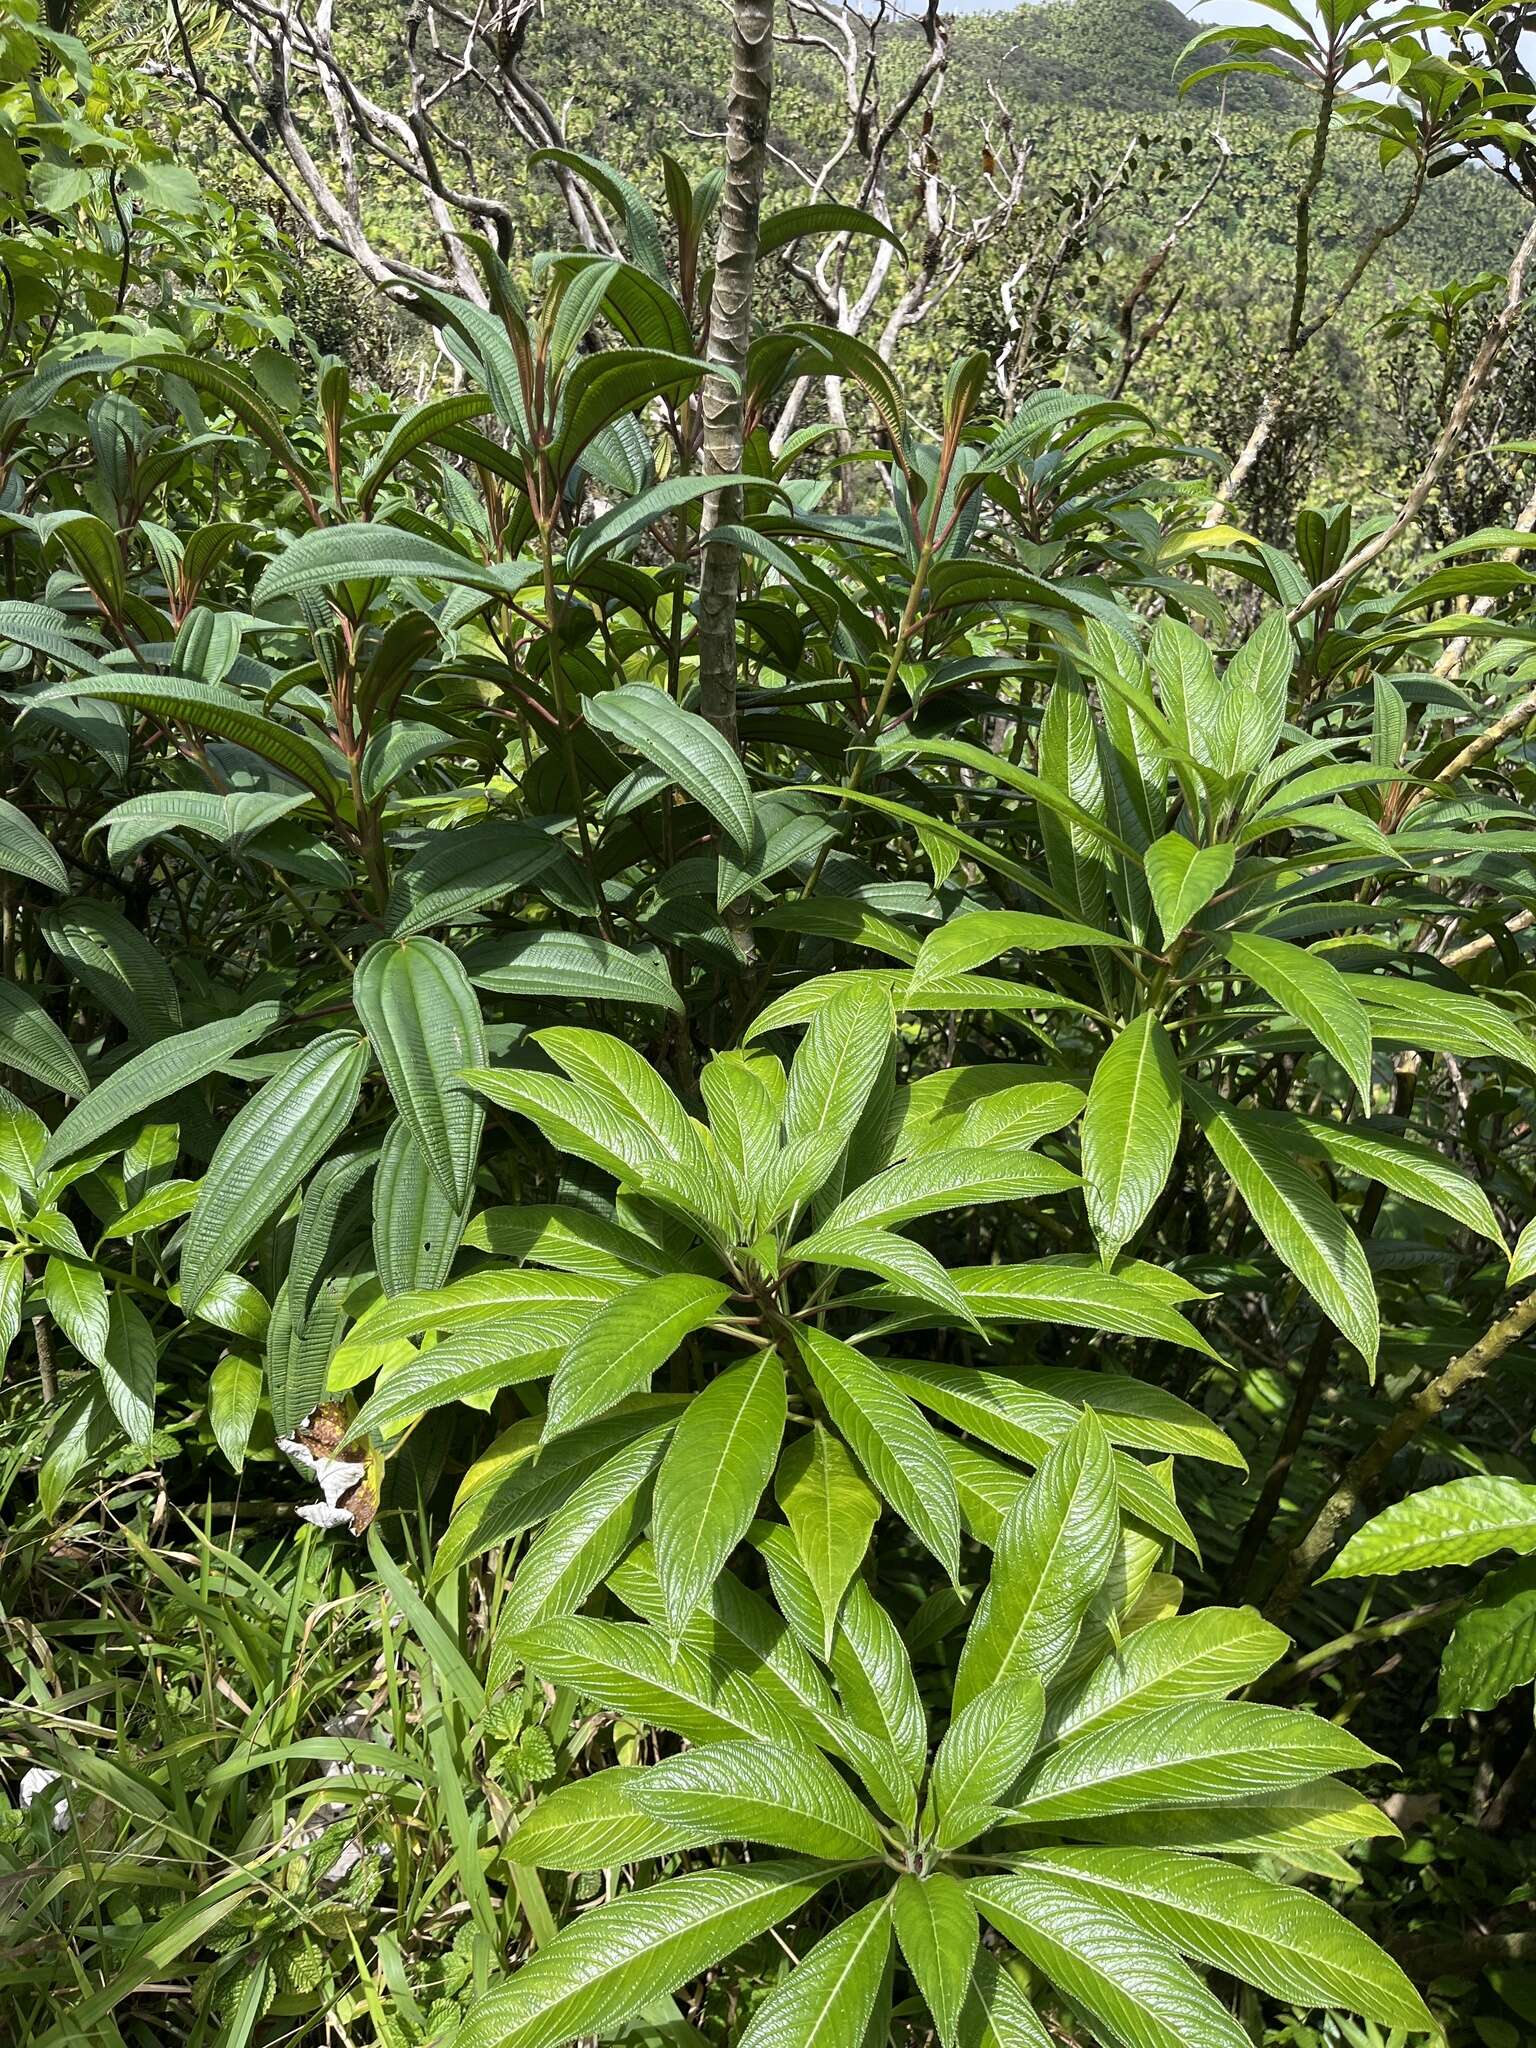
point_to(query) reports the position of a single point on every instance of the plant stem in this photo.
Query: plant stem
(730, 338)
(1322, 1536)
(567, 721)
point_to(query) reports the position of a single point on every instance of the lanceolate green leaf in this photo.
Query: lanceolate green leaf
(520, 1481)
(423, 1020)
(635, 515)
(996, 2013)
(1186, 1755)
(117, 964)
(945, 1180)
(1312, 990)
(1053, 1554)
(1461, 1522)
(837, 1065)
(747, 1791)
(1130, 1130)
(984, 1751)
(605, 1966)
(831, 1510)
(625, 1344)
(416, 1229)
(822, 218)
(685, 747)
(31, 1042)
(571, 964)
(282, 1132)
(713, 1477)
(584, 1539)
(1082, 1297)
(1183, 878)
(971, 941)
(370, 550)
(494, 1294)
(154, 1075)
(1186, 1657)
(414, 429)
(1000, 1409)
(1131, 1983)
(24, 851)
(875, 1679)
(1493, 1648)
(1308, 1826)
(1407, 1168)
(828, 1998)
(501, 1351)
(459, 869)
(209, 708)
(75, 1295)
(937, 1928)
(1306, 1228)
(590, 1824)
(1276, 1936)
(234, 1394)
(890, 1439)
(631, 1669)
(128, 1364)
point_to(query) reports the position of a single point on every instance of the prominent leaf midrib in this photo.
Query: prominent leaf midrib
(783, 1799)
(148, 1077)
(546, 1977)
(721, 1474)
(1222, 1917)
(1044, 1578)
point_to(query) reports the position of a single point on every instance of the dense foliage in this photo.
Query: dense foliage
(777, 1380)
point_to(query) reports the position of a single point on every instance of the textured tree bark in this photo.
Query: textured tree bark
(730, 336)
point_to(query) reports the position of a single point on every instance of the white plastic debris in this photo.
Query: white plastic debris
(33, 1785)
(335, 1478)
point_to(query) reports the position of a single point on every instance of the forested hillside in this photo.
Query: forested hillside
(1081, 81)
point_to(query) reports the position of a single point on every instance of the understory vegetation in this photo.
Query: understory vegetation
(767, 1216)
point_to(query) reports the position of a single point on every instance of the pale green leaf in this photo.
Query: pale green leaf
(1131, 1984)
(828, 1998)
(720, 1460)
(1183, 879)
(626, 1343)
(602, 1968)
(938, 1931)
(750, 1792)
(589, 1824)
(1306, 1228)
(234, 1394)
(1130, 1131)
(1461, 1522)
(890, 1439)
(831, 1510)
(1275, 1936)
(1311, 990)
(1193, 1754)
(1053, 1553)
(1493, 1646)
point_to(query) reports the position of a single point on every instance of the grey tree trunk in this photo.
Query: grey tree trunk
(730, 336)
